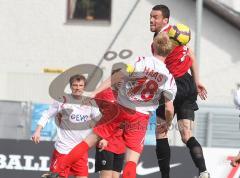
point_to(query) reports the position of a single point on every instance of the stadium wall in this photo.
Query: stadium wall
(36, 35)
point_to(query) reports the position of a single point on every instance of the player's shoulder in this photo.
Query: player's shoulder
(165, 70)
(178, 50)
(105, 94)
(161, 67)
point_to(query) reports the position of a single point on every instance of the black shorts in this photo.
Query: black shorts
(106, 160)
(185, 100)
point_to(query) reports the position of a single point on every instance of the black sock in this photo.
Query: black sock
(197, 154)
(163, 155)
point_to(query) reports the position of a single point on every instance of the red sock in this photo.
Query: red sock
(129, 170)
(75, 154)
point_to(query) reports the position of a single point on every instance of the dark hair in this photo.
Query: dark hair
(77, 78)
(164, 9)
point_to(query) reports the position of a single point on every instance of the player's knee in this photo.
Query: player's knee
(106, 175)
(132, 156)
(160, 135)
(185, 138)
(115, 174)
(186, 134)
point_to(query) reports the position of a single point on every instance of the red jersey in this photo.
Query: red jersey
(178, 61)
(107, 102)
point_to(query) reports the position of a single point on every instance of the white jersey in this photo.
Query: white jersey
(74, 125)
(149, 81)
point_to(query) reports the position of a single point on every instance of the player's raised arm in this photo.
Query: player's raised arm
(202, 92)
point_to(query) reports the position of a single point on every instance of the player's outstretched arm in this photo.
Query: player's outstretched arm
(36, 135)
(202, 92)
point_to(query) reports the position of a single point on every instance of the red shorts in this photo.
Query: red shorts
(79, 168)
(116, 143)
(132, 122)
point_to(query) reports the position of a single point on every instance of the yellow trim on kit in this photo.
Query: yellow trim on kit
(51, 70)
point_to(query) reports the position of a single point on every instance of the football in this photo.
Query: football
(180, 34)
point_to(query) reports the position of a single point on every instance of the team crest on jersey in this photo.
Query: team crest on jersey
(104, 162)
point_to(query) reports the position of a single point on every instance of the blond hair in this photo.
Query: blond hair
(162, 44)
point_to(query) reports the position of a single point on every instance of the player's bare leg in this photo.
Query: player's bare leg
(106, 174)
(109, 174)
(132, 158)
(115, 174)
(185, 127)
